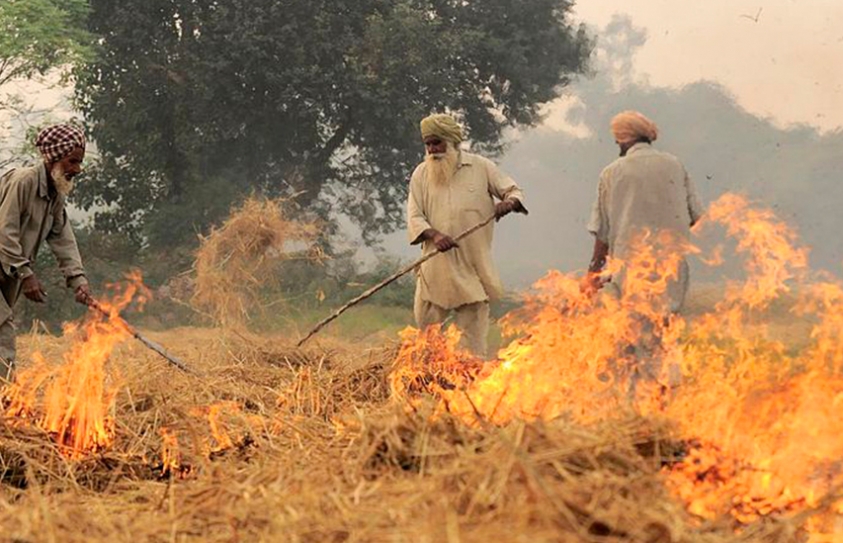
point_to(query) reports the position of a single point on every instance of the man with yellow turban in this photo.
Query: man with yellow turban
(451, 191)
(32, 210)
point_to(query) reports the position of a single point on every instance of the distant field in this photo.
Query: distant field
(371, 323)
(368, 323)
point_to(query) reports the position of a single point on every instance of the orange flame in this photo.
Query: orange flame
(761, 423)
(73, 401)
(225, 420)
(170, 455)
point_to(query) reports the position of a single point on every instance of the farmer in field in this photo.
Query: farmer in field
(32, 210)
(645, 190)
(451, 191)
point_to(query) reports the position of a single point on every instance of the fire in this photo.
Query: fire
(229, 428)
(73, 401)
(760, 422)
(431, 360)
(566, 360)
(219, 429)
(171, 461)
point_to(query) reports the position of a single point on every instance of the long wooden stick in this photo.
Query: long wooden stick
(397, 275)
(93, 304)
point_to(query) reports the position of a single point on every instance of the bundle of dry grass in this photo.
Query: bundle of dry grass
(279, 444)
(238, 260)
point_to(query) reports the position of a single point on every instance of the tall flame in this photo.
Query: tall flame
(73, 401)
(760, 422)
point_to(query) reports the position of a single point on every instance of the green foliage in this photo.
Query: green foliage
(38, 35)
(195, 104)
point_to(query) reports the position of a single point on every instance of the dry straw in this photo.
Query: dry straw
(333, 444)
(239, 260)
(281, 444)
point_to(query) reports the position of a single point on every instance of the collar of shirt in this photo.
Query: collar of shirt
(637, 147)
(43, 185)
(44, 190)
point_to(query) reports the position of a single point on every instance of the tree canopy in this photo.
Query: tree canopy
(37, 36)
(195, 104)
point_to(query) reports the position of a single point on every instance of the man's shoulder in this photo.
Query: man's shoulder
(667, 157)
(26, 176)
(474, 159)
(634, 161)
(613, 167)
(418, 173)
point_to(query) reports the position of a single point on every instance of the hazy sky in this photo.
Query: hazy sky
(787, 66)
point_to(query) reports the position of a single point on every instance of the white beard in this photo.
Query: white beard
(442, 166)
(62, 183)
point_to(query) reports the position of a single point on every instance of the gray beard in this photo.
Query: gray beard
(442, 166)
(62, 183)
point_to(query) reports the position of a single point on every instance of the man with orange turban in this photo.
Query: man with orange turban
(645, 192)
(451, 191)
(32, 210)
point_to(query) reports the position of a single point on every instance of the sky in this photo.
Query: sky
(786, 66)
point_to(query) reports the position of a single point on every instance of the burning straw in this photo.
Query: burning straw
(350, 445)
(313, 446)
(238, 261)
(759, 422)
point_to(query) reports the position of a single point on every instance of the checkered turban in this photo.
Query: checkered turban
(57, 141)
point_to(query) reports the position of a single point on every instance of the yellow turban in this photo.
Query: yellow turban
(442, 126)
(630, 126)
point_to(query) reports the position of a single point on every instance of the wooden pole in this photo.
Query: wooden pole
(93, 304)
(397, 275)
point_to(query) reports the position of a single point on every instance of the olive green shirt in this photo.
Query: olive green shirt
(31, 213)
(466, 274)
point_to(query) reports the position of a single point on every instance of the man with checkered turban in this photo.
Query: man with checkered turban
(450, 192)
(32, 210)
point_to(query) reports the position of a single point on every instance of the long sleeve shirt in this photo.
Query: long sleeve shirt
(466, 274)
(31, 213)
(645, 190)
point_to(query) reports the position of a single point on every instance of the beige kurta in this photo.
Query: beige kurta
(30, 213)
(646, 189)
(467, 274)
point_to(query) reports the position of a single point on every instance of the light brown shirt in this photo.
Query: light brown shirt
(646, 189)
(466, 274)
(30, 213)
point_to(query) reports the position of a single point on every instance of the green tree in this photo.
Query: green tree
(36, 37)
(194, 104)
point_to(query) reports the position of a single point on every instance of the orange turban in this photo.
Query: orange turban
(630, 126)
